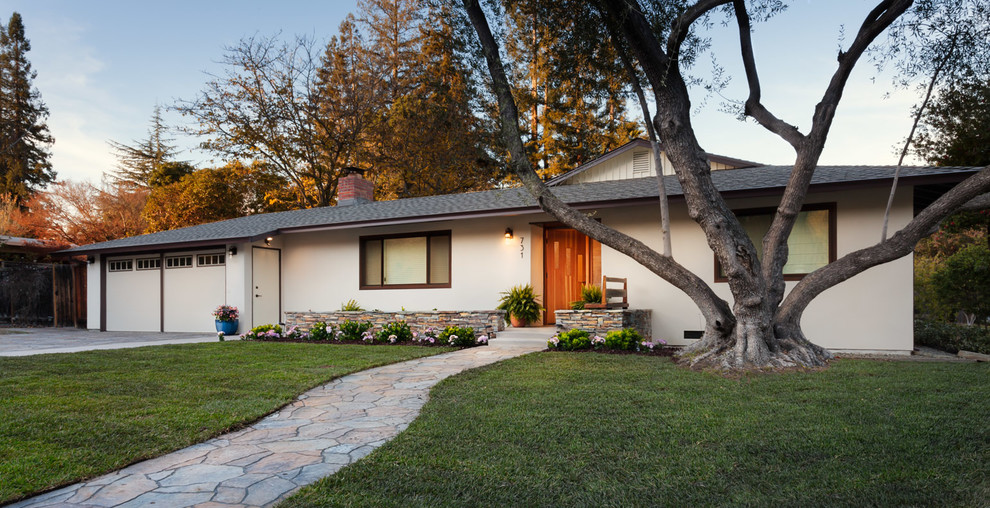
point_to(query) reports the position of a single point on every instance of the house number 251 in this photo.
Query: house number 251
(521, 246)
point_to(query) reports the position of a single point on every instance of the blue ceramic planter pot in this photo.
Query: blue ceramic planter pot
(227, 327)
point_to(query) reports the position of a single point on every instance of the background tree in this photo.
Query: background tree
(81, 213)
(761, 327)
(955, 131)
(150, 161)
(569, 84)
(210, 195)
(438, 144)
(24, 136)
(263, 109)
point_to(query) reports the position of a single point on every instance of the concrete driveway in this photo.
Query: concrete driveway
(36, 341)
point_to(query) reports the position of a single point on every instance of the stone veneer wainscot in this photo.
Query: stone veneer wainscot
(602, 321)
(486, 322)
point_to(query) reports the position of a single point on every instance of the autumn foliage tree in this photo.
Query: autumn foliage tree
(210, 195)
(80, 213)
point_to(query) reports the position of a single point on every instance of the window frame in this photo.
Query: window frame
(220, 258)
(428, 235)
(122, 265)
(156, 263)
(830, 207)
(170, 258)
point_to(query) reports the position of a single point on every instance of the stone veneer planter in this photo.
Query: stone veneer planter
(602, 321)
(482, 321)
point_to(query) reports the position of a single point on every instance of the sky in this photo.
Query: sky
(103, 66)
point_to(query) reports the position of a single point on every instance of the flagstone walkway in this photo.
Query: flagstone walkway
(325, 429)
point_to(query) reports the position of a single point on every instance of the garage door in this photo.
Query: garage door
(133, 294)
(194, 287)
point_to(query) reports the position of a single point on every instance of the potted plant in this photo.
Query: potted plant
(226, 319)
(520, 305)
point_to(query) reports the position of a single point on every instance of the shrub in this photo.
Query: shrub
(353, 330)
(320, 331)
(952, 337)
(457, 336)
(263, 332)
(964, 281)
(396, 331)
(571, 340)
(626, 339)
(589, 294)
(521, 302)
(350, 306)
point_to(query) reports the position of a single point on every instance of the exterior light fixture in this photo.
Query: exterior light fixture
(508, 233)
(233, 251)
(268, 241)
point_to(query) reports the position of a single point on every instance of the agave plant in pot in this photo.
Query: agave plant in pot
(520, 305)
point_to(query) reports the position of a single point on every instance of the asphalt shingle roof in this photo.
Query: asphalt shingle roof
(499, 201)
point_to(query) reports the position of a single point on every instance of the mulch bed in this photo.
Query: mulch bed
(663, 351)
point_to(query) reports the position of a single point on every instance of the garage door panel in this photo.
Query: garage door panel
(191, 295)
(133, 301)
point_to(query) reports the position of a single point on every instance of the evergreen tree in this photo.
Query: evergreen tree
(149, 162)
(956, 128)
(570, 84)
(24, 137)
(441, 145)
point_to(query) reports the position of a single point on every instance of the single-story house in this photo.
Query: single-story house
(459, 251)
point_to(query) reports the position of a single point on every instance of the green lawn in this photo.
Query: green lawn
(65, 417)
(569, 429)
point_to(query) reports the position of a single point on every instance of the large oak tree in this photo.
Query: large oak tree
(761, 327)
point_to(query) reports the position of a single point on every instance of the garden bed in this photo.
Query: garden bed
(365, 333)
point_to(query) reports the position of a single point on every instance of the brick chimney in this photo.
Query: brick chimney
(353, 189)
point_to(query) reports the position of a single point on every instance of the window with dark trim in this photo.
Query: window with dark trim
(179, 262)
(810, 246)
(149, 264)
(122, 265)
(211, 259)
(406, 261)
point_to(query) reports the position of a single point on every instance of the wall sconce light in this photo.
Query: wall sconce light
(508, 233)
(233, 251)
(90, 259)
(268, 241)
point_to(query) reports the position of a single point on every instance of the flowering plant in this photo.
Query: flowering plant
(458, 336)
(225, 313)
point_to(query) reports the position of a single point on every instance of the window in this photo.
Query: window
(149, 264)
(121, 265)
(210, 259)
(810, 246)
(178, 262)
(419, 260)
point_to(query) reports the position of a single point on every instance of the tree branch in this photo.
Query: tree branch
(899, 245)
(681, 26)
(715, 310)
(754, 107)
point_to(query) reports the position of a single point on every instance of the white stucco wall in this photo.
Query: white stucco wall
(93, 285)
(320, 269)
(872, 311)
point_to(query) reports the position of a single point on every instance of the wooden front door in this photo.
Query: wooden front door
(570, 259)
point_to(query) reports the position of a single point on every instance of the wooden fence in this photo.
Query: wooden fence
(43, 294)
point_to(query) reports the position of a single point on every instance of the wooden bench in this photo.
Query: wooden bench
(609, 293)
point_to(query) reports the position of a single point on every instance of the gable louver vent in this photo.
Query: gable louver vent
(641, 164)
